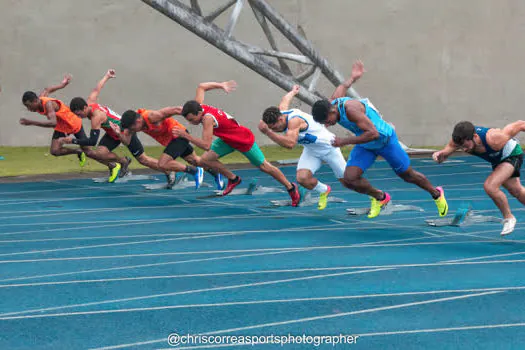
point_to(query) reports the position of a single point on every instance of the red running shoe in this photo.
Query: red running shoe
(295, 195)
(231, 186)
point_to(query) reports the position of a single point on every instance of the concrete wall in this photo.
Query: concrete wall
(430, 63)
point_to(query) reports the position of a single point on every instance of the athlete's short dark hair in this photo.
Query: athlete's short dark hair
(77, 104)
(129, 118)
(320, 110)
(29, 96)
(463, 131)
(192, 107)
(271, 115)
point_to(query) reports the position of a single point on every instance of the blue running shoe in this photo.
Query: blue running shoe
(219, 181)
(199, 177)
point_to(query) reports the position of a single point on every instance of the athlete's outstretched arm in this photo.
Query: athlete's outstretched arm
(93, 96)
(51, 116)
(289, 140)
(287, 99)
(442, 155)
(358, 69)
(164, 113)
(50, 89)
(356, 113)
(207, 134)
(227, 86)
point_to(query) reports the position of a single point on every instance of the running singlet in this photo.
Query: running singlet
(316, 136)
(162, 132)
(229, 130)
(385, 130)
(511, 148)
(67, 121)
(113, 117)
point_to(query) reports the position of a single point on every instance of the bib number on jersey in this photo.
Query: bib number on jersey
(308, 139)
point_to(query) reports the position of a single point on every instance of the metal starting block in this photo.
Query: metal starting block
(252, 190)
(124, 179)
(306, 200)
(388, 210)
(181, 182)
(463, 217)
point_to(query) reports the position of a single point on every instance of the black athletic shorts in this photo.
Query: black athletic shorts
(135, 146)
(179, 147)
(516, 162)
(79, 135)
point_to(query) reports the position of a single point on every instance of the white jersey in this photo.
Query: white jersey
(316, 136)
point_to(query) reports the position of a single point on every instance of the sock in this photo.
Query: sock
(383, 197)
(212, 172)
(320, 187)
(436, 197)
(190, 169)
(292, 189)
(236, 179)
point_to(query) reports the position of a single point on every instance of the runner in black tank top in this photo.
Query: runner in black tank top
(500, 148)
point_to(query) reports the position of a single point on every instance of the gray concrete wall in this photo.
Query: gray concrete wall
(430, 63)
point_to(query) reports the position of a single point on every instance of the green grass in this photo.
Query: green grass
(37, 160)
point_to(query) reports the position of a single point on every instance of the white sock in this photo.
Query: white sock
(320, 187)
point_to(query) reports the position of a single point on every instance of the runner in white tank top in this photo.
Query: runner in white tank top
(300, 128)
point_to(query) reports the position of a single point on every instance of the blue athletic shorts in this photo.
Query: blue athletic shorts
(392, 152)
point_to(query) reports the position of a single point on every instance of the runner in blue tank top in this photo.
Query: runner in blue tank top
(499, 148)
(373, 137)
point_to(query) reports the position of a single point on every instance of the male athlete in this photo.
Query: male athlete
(101, 117)
(498, 147)
(231, 136)
(300, 127)
(372, 137)
(60, 118)
(160, 126)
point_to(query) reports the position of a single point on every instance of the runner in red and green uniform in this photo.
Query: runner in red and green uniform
(231, 136)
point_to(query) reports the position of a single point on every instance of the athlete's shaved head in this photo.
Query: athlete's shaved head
(129, 119)
(79, 106)
(31, 101)
(463, 131)
(324, 112)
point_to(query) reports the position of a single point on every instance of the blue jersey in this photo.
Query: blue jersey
(492, 156)
(385, 130)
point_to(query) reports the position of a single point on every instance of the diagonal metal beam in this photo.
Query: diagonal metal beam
(234, 17)
(303, 45)
(184, 16)
(211, 17)
(289, 56)
(266, 29)
(195, 7)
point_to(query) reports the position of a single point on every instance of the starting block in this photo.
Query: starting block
(252, 190)
(463, 217)
(388, 210)
(124, 179)
(181, 182)
(306, 200)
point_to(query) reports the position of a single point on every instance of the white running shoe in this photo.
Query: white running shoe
(508, 226)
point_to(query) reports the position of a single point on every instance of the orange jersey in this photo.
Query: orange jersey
(67, 121)
(161, 132)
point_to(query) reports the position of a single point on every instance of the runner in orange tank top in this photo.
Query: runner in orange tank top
(159, 125)
(60, 118)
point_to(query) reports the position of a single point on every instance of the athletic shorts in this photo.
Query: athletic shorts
(392, 152)
(516, 162)
(312, 161)
(79, 135)
(254, 155)
(135, 146)
(179, 147)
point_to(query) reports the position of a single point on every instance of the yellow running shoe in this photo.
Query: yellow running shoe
(441, 202)
(82, 159)
(114, 173)
(376, 205)
(323, 199)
